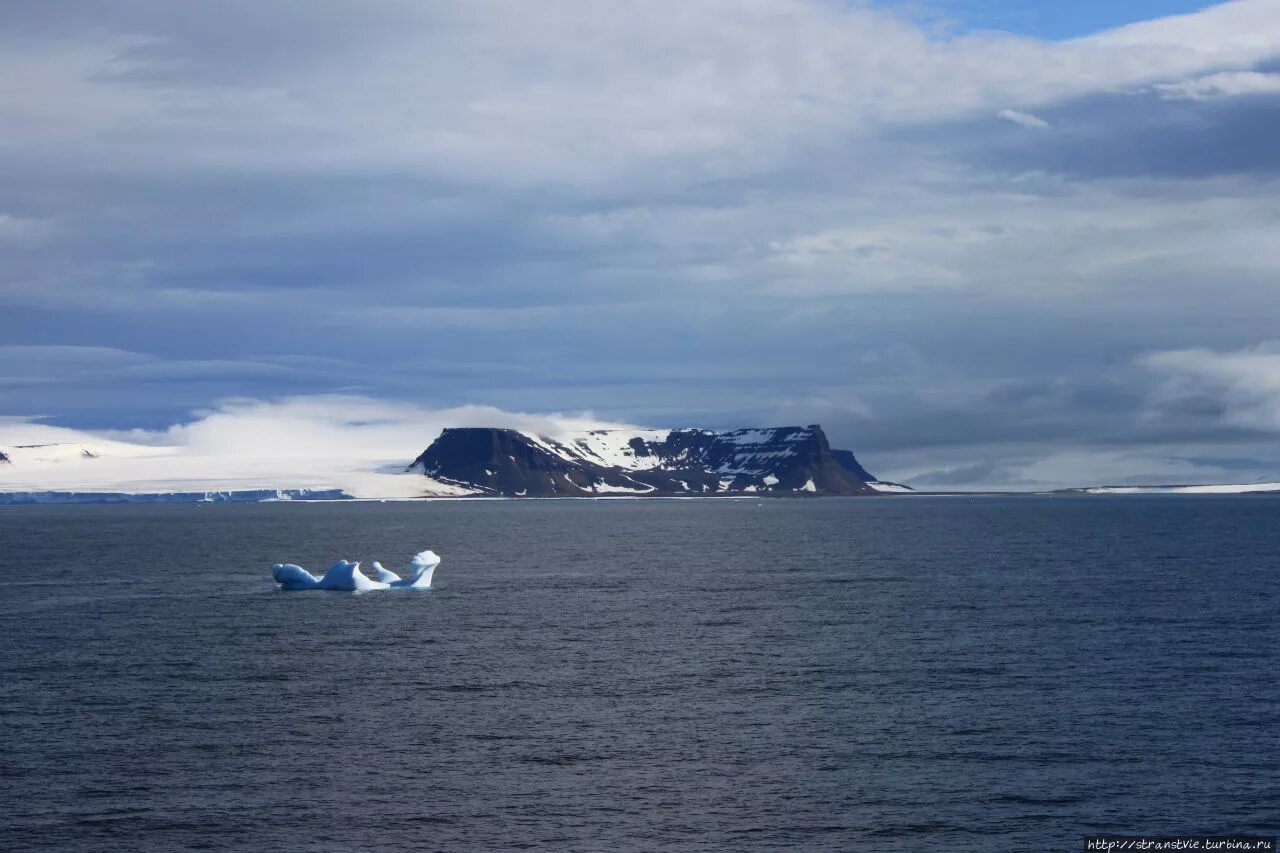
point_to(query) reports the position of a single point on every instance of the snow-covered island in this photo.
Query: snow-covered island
(459, 463)
(789, 460)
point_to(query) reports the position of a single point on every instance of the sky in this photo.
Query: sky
(1040, 19)
(985, 244)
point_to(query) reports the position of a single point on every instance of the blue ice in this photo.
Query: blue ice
(345, 576)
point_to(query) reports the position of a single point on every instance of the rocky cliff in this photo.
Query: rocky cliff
(513, 463)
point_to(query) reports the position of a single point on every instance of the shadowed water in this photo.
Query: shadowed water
(886, 674)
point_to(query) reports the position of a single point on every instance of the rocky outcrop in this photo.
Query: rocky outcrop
(513, 463)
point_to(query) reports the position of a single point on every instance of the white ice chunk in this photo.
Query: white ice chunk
(345, 576)
(385, 575)
(421, 567)
(290, 576)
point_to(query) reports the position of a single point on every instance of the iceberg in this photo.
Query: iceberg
(345, 576)
(421, 567)
(290, 576)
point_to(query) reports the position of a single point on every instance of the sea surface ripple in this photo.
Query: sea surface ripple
(985, 674)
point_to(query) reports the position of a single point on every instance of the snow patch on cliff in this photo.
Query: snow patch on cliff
(614, 448)
(891, 488)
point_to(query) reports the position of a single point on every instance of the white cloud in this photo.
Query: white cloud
(1079, 467)
(1037, 235)
(657, 99)
(1026, 120)
(669, 90)
(1222, 84)
(1246, 382)
(23, 232)
(355, 443)
(1223, 32)
(35, 366)
(1037, 469)
(60, 358)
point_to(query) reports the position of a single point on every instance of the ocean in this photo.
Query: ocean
(898, 674)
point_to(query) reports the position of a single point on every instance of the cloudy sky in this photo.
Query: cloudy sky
(984, 242)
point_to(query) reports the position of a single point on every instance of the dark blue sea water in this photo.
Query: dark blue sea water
(958, 674)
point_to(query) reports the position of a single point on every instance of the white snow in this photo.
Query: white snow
(612, 448)
(356, 444)
(889, 487)
(439, 487)
(550, 445)
(750, 436)
(763, 436)
(322, 445)
(1218, 489)
(215, 496)
(104, 466)
(808, 486)
(607, 489)
(754, 462)
(73, 454)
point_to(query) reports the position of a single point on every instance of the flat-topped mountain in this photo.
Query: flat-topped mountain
(514, 463)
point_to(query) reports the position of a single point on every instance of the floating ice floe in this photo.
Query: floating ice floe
(345, 576)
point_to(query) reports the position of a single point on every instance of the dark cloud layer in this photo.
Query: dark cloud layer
(1139, 135)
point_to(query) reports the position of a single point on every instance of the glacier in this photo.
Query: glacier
(93, 469)
(218, 496)
(345, 576)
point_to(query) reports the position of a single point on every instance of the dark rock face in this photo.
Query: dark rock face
(850, 463)
(780, 460)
